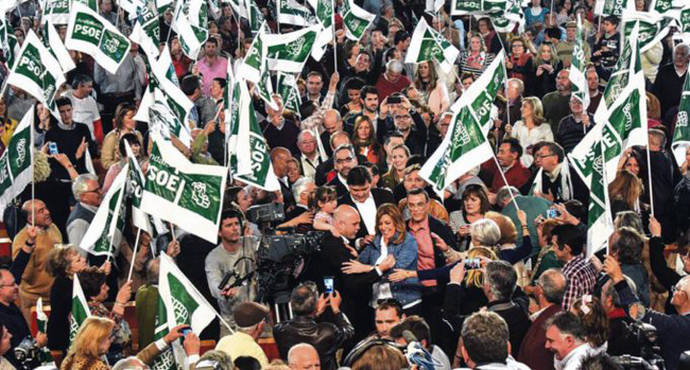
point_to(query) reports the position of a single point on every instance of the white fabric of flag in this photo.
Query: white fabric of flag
(51, 39)
(186, 194)
(355, 20)
(580, 89)
(16, 162)
(287, 52)
(613, 7)
(681, 134)
(191, 35)
(429, 45)
(41, 317)
(599, 220)
(653, 27)
(8, 42)
(88, 162)
(290, 12)
(622, 112)
(37, 72)
(105, 231)
(325, 13)
(92, 34)
(252, 144)
(57, 11)
(80, 308)
(252, 64)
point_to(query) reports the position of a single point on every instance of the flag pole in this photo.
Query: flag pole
(33, 183)
(335, 39)
(512, 196)
(134, 255)
(506, 87)
(172, 231)
(649, 179)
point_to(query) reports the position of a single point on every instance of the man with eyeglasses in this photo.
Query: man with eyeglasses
(11, 316)
(555, 181)
(672, 330)
(87, 191)
(36, 239)
(344, 159)
(411, 125)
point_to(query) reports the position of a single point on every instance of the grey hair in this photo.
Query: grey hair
(611, 290)
(297, 347)
(394, 66)
(553, 283)
(503, 196)
(300, 136)
(681, 45)
(79, 186)
(501, 278)
(485, 232)
(300, 185)
(223, 359)
(520, 84)
(130, 363)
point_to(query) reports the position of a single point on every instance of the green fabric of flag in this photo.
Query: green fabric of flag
(429, 45)
(355, 20)
(681, 134)
(579, 87)
(80, 308)
(16, 162)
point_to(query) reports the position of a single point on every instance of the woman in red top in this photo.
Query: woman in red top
(364, 140)
(520, 65)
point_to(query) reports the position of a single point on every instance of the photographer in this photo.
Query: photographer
(235, 255)
(673, 331)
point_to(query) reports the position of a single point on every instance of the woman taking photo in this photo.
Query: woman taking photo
(63, 262)
(475, 58)
(124, 124)
(531, 129)
(434, 92)
(391, 239)
(364, 140)
(475, 204)
(399, 156)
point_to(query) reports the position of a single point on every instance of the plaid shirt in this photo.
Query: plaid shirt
(580, 276)
(316, 119)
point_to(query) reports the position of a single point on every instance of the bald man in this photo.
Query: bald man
(279, 159)
(303, 356)
(355, 289)
(332, 123)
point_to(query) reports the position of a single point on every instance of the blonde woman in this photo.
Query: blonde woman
(531, 129)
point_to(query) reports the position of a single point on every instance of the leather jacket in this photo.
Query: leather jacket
(326, 337)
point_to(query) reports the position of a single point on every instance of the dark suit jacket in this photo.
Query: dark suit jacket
(444, 232)
(532, 351)
(381, 196)
(322, 170)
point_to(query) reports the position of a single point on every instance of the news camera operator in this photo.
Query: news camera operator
(672, 331)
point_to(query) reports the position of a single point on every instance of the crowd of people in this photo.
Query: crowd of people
(490, 274)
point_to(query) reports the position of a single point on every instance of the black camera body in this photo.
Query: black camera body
(650, 352)
(28, 354)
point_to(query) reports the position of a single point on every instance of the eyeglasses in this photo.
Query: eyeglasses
(542, 156)
(402, 117)
(343, 160)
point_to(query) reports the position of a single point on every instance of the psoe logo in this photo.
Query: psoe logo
(199, 196)
(111, 45)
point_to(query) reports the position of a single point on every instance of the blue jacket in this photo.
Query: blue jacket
(408, 290)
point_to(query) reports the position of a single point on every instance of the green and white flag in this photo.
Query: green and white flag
(622, 114)
(92, 34)
(599, 220)
(232, 127)
(661, 6)
(8, 42)
(88, 162)
(131, 6)
(429, 45)
(183, 302)
(325, 12)
(264, 88)
(166, 360)
(146, 31)
(135, 186)
(105, 231)
(239, 7)
(254, 16)
(463, 148)
(681, 134)
(355, 20)
(578, 67)
(253, 63)
(613, 7)
(684, 20)
(287, 89)
(653, 28)
(52, 41)
(252, 144)
(164, 118)
(482, 93)
(37, 72)
(57, 11)
(16, 162)
(80, 308)
(287, 52)
(186, 23)
(290, 12)
(41, 317)
(91, 4)
(186, 194)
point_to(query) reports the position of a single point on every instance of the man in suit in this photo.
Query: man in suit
(549, 293)
(355, 288)
(324, 171)
(279, 159)
(300, 217)
(344, 159)
(366, 200)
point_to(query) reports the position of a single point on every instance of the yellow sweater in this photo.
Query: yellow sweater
(35, 279)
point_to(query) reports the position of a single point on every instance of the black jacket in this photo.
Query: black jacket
(326, 337)
(444, 232)
(381, 196)
(57, 328)
(325, 167)
(13, 320)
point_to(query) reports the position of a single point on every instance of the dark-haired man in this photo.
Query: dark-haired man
(235, 253)
(365, 199)
(211, 65)
(485, 343)
(509, 153)
(204, 108)
(581, 276)
(84, 106)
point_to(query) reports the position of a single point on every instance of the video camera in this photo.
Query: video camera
(650, 358)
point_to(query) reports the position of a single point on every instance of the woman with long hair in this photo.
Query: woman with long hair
(399, 156)
(547, 67)
(531, 129)
(90, 345)
(625, 192)
(392, 239)
(124, 123)
(136, 146)
(475, 58)
(364, 140)
(594, 320)
(434, 91)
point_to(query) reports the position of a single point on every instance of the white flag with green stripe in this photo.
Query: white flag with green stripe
(57, 11)
(166, 360)
(252, 144)
(463, 148)
(8, 42)
(653, 28)
(16, 162)
(186, 194)
(579, 87)
(429, 45)
(92, 34)
(287, 52)
(254, 16)
(325, 12)
(613, 7)
(80, 308)
(622, 114)
(52, 41)
(287, 89)
(105, 231)
(355, 20)
(41, 317)
(37, 72)
(146, 31)
(683, 21)
(91, 4)
(290, 12)
(164, 117)
(599, 220)
(190, 33)
(681, 134)
(135, 187)
(252, 64)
